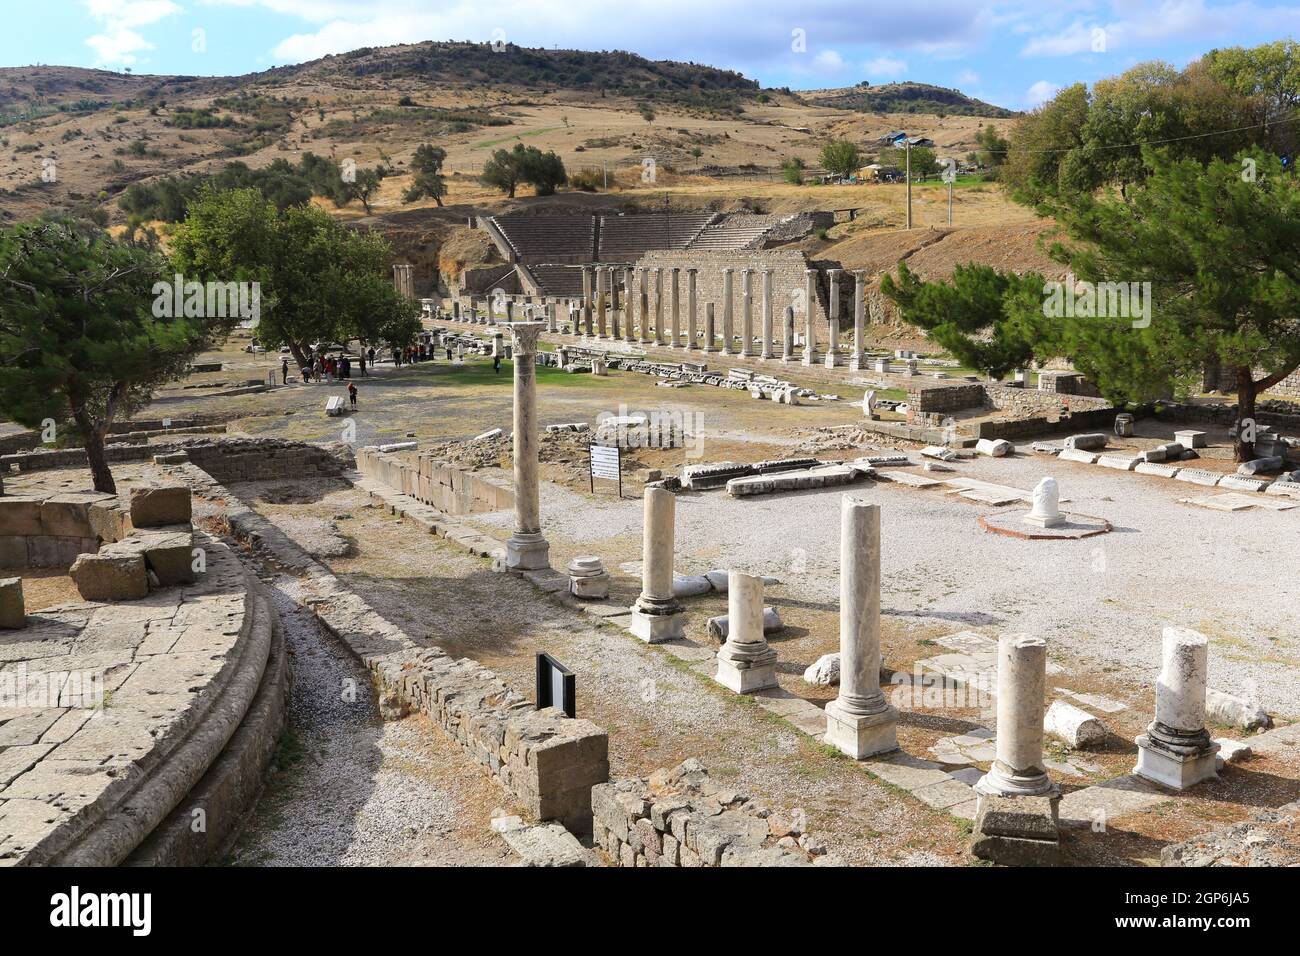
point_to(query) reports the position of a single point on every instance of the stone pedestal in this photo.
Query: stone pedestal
(745, 662)
(658, 616)
(766, 352)
(1046, 512)
(860, 722)
(1176, 751)
(526, 549)
(1018, 831)
(588, 578)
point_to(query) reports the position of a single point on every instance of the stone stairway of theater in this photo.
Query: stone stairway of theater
(548, 238)
(627, 238)
(557, 280)
(734, 232)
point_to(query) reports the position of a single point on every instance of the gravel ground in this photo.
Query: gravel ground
(1102, 602)
(349, 789)
(657, 712)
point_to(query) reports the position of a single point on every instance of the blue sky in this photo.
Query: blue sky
(1014, 53)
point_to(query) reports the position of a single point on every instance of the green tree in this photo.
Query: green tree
(1220, 245)
(503, 171)
(506, 170)
(978, 316)
(364, 186)
(924, 161)
(840, 158)
(83, 339)
(428, 183)
(792, 171)
(993, 148)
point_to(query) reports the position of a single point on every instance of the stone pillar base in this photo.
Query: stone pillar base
(657, 628)
(1018, 831)
(856, 364)
(765, 356)
(861, 736)
(810, 358)
(833, 360)
(1002, 781)
(1044, 521)
(1170, 768)
(527, 552)
(746, 674)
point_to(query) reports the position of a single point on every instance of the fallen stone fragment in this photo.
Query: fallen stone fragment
(719, 626)
(824, 672)
(1235, 711)
(1074, 726)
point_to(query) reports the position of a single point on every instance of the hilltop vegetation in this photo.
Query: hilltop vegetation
(908, 98)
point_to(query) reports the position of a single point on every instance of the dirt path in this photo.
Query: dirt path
(347, 789)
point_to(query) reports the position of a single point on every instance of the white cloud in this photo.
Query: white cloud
(885, 66)
(828, 61)
(968, 77)
(1040, 93)
(118, 41)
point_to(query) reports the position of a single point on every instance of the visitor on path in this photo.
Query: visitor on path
(345, 367)
(496, 364)
(352, 395)
(449, 352)
(284, 371)
(371, 353)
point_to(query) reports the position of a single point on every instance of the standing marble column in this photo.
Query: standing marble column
(1176, 750)
(708, 327)
(586, 301)
(746, 312)
(552, 317)
(766, 353)
(526, 549)
(675, 336)
(600, 302)
(691, 342)
(833, 346)
(657, 616)
(612, 279)
(727, 331)
(787, 336)
(810, 317)
(659, 306)
(629, 294)
(860, 722)
(1022, 681)
(746, 663)
(857, 358)
(644, 306)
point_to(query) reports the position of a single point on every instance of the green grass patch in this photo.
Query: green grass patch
(489, 143)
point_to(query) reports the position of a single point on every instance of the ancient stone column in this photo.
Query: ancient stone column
(1176, 750)
(628, 305)
(586, 301)
(810, 317)
(526, 549)
(644, 306)
(766, 353)
(745, 661)
(1022, 680)
(708, 327)
(659, 306)
(833, 346)
(746, 312)
(675, 338)
(787, 337)
(600, 302)
(860, 722)
(727, 330)
(691, 314)
(613, 303)
(857, 357)
(658, 616)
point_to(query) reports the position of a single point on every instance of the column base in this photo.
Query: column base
(765, 356)
(810, 358)
(745, 672)
(1002, 781)
(861, 736)
(1018, 831)
(856, 364)
(1169, 768)
(787, 358)
(1044, 521)
(655, 628)
(527, 552)
(833, 360)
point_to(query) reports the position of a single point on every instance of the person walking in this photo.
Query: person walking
(352, 395)
(284, 371)
(496, 364)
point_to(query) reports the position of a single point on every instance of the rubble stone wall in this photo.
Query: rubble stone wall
(680, 817)
(789, 269)
(436, 483)
(260, 459)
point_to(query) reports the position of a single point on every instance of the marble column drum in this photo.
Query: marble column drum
(746, 312)
(657, 615)
(1022, 683)
(810, 317)
(526, 549)
(833, 346)
(727, 294)
(1176, 751)
(857, 358)
(746, 663)
(766, 352)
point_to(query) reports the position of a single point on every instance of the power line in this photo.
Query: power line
(1152, 142)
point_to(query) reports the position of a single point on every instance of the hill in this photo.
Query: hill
(906, 97)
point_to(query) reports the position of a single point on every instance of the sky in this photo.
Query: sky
(1013, 53)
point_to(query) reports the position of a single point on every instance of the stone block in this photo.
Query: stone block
(20, 515)
(1087, 442)
(1017, 831)
(159, 505)
(110, 578)
(168, 553)
(1241, 483)
(1119, 462)
(1074, 726)
(994, 447)
(1235, 711)
(1072, 454)
(1190, 438)
(1158, 470)
(109, 520)
(67, 515)
(13, 551)
(1199, 476)
(13, 611)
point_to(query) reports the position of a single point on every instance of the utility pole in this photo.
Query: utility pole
(950, 204)
(909, 183)
(604, 166)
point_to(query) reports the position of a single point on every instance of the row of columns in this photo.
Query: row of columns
(644, 321)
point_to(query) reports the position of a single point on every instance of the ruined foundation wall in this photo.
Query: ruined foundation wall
(437, 483)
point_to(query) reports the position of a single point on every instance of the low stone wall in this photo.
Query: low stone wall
(51, 531)
(1032, 401)
(547, 760)
(261, 459)
(930, 399)
(436, 483)
(680, 817)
